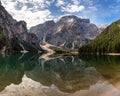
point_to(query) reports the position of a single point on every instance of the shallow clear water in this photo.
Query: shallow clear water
(30, 75)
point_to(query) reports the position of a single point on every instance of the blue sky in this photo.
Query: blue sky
(39, 11)
(99, 11)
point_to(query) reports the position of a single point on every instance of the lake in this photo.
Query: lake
(32, 75)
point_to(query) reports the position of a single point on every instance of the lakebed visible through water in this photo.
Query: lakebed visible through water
(31, 75)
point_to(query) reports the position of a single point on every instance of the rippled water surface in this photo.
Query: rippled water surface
(31, 75)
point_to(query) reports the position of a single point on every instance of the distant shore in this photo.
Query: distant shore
(114, 54)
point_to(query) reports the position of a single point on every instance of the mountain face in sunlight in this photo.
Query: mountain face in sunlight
(70, 31)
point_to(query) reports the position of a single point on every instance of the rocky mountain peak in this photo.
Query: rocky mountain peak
(68, 19)
(71, 19)
(0, 3)
(48, 23)
(69, 31)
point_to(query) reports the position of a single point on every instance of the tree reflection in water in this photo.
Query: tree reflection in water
(12, 68)
(69, 74)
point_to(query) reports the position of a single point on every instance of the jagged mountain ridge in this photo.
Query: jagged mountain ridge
(44, 31)
(70, 31)
(14, 34)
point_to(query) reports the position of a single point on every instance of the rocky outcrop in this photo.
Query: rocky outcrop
(69, 31)
(15, 35)
(102, 27)
(44, 31)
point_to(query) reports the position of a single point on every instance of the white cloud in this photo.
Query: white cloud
(32, 19)
(92, 8)
(73, 8)
(60, 3)
(76, 2)
(37, 11)
(32, 11)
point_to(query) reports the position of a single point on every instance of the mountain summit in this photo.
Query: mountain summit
(70, 31)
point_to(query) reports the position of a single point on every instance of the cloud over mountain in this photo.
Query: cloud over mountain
(32, 11)
(39, 11)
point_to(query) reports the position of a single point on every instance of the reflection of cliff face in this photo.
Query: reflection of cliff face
(69, 74)
(12, 68)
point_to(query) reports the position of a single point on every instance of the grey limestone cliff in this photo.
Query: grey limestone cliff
(44, 31)
(70, 31)
(15, 35)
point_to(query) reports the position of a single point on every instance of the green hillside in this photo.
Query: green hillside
(107, 42)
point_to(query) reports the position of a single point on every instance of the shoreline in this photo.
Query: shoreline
(48, 53)
(109, 54)
(113, 54)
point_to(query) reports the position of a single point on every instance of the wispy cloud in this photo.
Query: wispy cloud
(76, 2)
(38, 11)
(32, 11)
(70, 6)
(60, 3)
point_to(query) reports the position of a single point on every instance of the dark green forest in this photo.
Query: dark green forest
(107, 42)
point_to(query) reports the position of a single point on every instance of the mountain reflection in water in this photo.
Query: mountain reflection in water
(64, 76)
